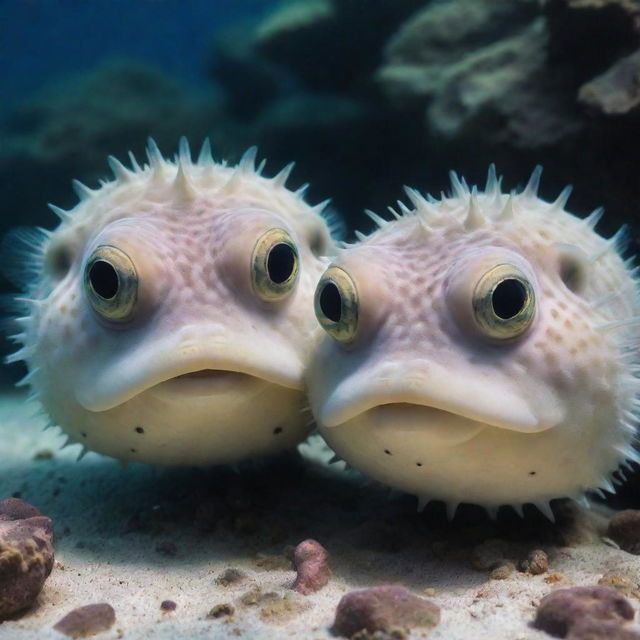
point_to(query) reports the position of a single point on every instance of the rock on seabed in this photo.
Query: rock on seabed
(26, 554)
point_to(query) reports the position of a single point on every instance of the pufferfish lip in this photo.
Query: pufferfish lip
(471, 401)
(187, 368)
(205, 382)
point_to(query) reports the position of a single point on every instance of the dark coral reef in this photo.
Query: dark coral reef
(367, 97)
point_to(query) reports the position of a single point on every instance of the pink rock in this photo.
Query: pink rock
(87, 621)
(310, 561)
(560, 611)
(382, 609)
(590, 629)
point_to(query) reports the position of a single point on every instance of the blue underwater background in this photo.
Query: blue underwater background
(365, 95)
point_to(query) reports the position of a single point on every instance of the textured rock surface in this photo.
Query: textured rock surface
(624, 528)
(26, 554)
(310, 560)
(535, 563)
(383, 609)
(87, 621)
(560, 611)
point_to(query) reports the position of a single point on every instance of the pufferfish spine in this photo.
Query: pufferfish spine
(468, 395)
(167, 319)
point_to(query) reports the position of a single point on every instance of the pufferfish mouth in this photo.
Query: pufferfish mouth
(180, 369)
(439, 403)
(206, 382)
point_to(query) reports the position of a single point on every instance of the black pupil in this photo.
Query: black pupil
(508, 298)
(104, 279)
(331, 302)
(281, 262)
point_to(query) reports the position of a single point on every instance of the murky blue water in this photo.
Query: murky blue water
(41, 41)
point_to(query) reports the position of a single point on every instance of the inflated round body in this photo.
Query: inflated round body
(482, 348)
(169, 318)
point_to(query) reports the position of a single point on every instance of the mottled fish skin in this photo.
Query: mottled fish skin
(482, 348)
(150, 324)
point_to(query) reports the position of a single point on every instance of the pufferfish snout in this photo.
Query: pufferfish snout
(168, 318)
(481, 348)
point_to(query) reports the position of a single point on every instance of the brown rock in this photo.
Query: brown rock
(87, 621)
(221, 611)
(26, 554)
(488, 554)
(624, 528)
(624, 585)
(230, 576)
(310, 561)
(598, 630)
(536, 562)
(383, 609)
(561, 610)
(502, 570)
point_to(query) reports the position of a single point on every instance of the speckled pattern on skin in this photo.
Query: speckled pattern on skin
(429, 391)
(205, 365)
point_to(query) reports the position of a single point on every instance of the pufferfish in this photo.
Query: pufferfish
(168, 319)
(482, 348)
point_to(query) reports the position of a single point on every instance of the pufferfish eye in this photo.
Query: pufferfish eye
(111, 283)
(503, 302)
(336, 304)
(275, 265)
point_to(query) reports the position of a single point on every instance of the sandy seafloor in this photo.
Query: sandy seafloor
(138, 536)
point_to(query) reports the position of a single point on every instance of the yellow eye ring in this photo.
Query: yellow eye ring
(336, 304)
(111, 283)
(275, 265)
(504, 303)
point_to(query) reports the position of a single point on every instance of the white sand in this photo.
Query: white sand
(92, 503)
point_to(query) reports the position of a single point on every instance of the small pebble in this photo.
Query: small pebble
(230, 576)
(310, 560)
(559, 611)
(168, 605)
(622, 584)
(221, 611)
(488, 554)
(502, 571)
(383, 609)
(536, 562)
(87, 621)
